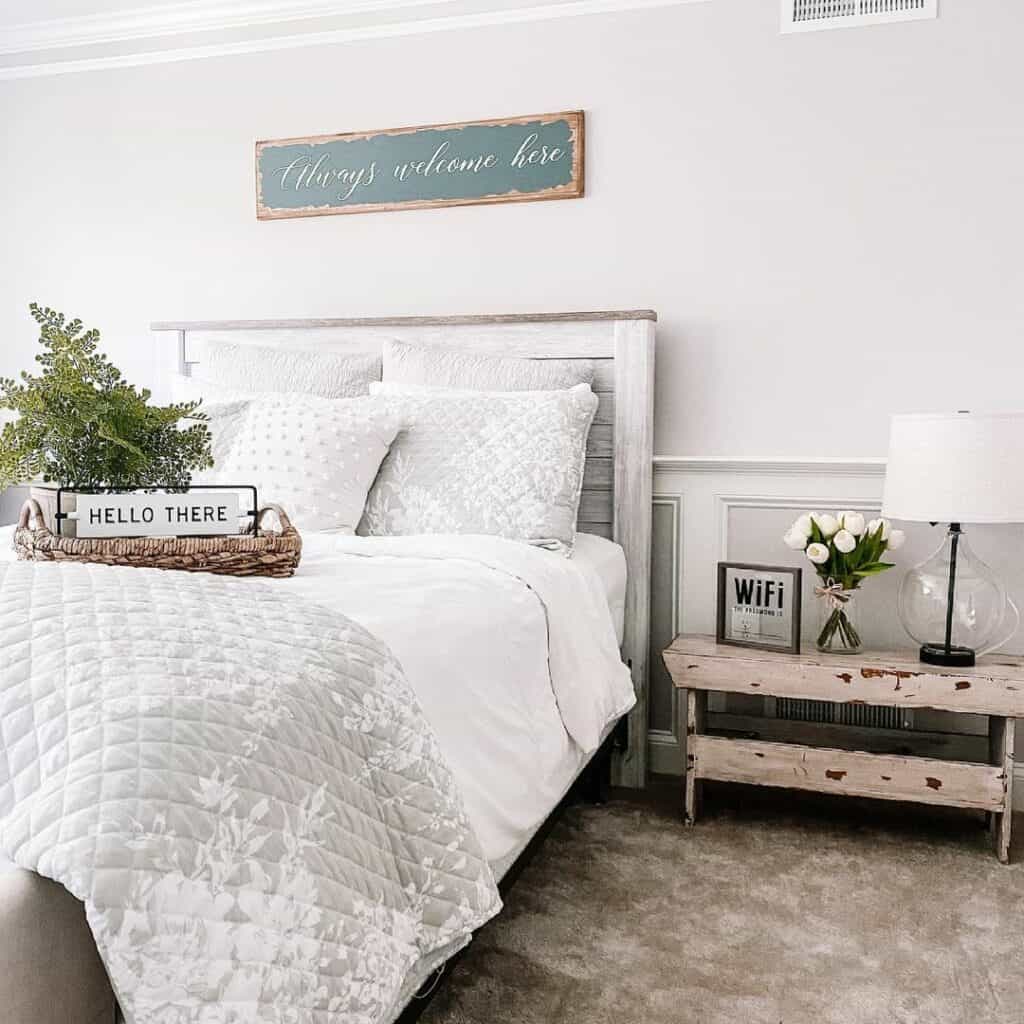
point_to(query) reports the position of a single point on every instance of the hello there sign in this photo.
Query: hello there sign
(192, 514)
(503, 161)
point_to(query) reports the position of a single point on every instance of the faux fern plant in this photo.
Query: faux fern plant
(80, 424)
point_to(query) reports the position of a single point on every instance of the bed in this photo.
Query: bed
(507, 746)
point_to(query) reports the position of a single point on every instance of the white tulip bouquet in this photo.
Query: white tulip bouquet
(844, 550)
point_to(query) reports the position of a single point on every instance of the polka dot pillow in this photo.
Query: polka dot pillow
(316, 457)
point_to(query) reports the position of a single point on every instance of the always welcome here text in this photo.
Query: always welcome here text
(310, 172)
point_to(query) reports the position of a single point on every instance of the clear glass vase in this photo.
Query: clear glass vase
(838, 621)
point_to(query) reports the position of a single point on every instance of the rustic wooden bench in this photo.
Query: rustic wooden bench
(994, 687)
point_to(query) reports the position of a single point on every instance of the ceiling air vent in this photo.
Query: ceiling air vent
(811, 15)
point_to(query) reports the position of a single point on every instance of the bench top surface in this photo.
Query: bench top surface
(992, 666)
(995, 686)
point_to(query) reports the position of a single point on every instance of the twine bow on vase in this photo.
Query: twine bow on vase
(834, 592)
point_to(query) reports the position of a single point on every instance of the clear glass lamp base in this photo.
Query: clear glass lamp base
(955, 606)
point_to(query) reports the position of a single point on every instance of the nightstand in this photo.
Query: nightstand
(994, 687)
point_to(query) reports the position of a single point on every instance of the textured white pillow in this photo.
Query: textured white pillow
(316, 457)
(453, 368)
(507, 464)
(259, 368)
(198, 389)
(225, 420)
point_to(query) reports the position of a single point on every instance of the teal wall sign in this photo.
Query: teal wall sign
(513, 160)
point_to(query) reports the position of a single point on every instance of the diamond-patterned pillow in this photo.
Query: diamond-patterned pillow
(509, 465)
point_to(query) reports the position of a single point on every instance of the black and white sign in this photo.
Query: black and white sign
(759, 606)
(191, 514)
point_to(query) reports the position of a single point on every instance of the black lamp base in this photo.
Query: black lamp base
(955, 657)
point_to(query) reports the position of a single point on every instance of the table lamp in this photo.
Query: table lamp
(956, 468)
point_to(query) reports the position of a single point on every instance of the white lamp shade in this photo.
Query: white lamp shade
(956, 468)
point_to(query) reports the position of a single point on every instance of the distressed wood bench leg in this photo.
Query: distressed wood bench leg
(1001, 736)
(696, 716)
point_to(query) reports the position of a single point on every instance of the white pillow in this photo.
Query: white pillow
(198, 389)
(259, 368)
(225, 420)
(453, 368)
(316, 457)
(507, 464)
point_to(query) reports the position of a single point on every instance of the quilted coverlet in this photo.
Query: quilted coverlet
(241, 788)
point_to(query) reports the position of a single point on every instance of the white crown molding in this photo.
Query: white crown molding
(789, 466)
(305, 21)
(179, 19)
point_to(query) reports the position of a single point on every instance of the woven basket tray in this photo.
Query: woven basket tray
(265, 554)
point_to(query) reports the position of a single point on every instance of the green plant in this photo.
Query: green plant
(80, 424)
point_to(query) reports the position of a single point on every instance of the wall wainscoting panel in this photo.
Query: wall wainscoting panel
(665, 748)
(711, 509)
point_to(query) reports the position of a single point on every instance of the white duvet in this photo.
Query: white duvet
(469, 619)
(472, 620)
(240, 786)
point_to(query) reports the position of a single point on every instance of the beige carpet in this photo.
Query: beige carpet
(775, 909)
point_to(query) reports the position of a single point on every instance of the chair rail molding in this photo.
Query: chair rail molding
(711, 509)
(792, 465)
(194, 29)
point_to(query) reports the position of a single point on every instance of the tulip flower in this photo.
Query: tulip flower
(828, 524)
(802, 524)
(853, 522)
(844, 541)
(795, 539)
(817, 553)
(884, 524)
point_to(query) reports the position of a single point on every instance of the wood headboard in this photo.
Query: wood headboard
(616, 498)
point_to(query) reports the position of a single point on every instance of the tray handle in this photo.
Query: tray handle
(29, 511)
(282, 517)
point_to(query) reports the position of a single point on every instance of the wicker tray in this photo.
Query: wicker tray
(264, 554)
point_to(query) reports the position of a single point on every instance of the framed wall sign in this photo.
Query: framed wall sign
(759, 606)
(198, 513)
(503, 161)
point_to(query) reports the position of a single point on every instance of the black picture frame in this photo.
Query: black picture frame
(795, 596)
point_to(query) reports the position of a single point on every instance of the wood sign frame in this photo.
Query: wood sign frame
(790, 643)
(506, 160)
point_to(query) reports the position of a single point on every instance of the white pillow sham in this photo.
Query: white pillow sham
(261, 368)
(471, 371)
(316, 457)
(506, 464)
(198, 389)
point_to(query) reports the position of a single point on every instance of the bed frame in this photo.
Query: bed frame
(616, 501)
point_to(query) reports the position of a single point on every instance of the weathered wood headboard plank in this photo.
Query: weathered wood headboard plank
(616, 500)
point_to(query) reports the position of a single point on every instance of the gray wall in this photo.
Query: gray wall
(793, 206)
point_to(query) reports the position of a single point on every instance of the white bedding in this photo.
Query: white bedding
(473, 641)
(608, 560)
